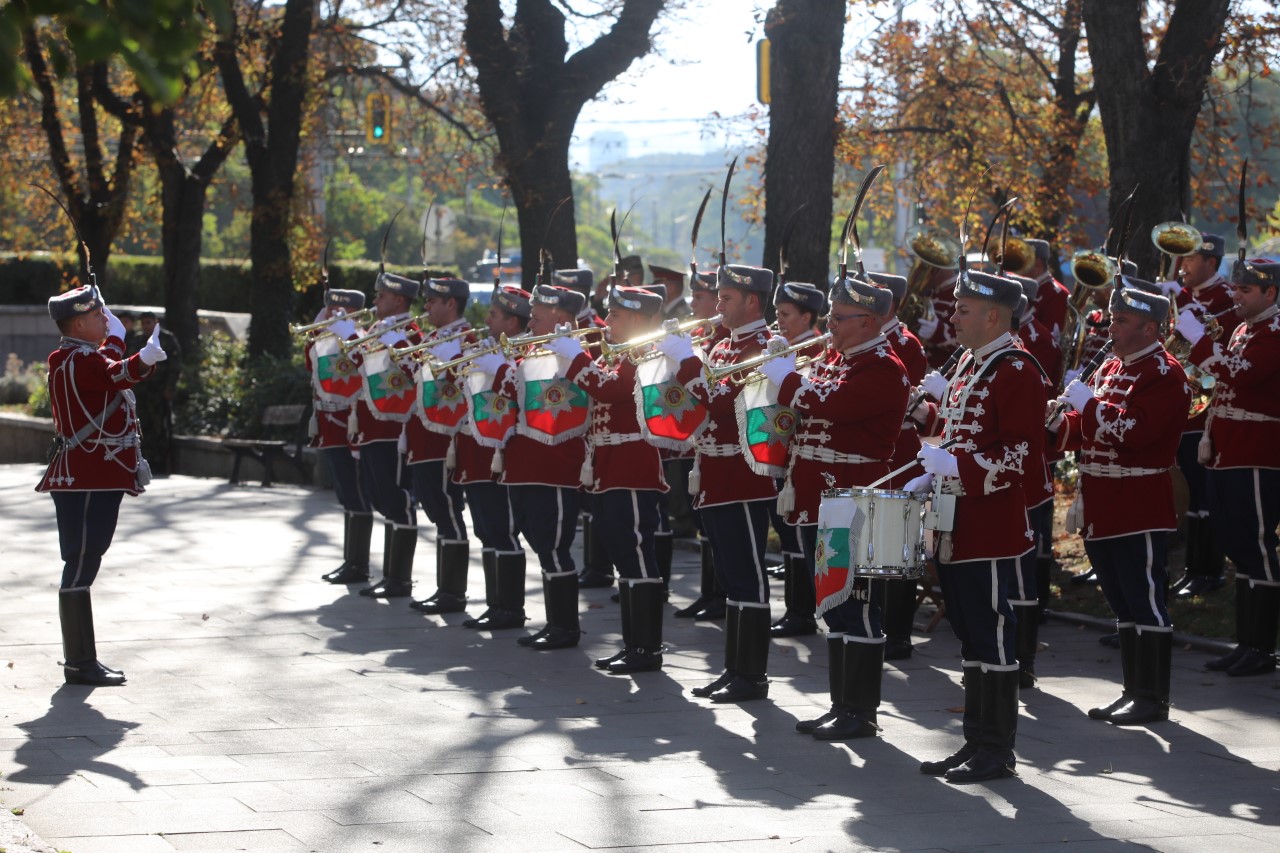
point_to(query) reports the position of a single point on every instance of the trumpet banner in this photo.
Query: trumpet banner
(441, 403)
(670, 417)
(765, 427)
(493, 416)
(552, 409)
(840, 524)
(388, 390)
(335, 376)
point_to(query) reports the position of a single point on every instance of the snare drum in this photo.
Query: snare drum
(873, 532)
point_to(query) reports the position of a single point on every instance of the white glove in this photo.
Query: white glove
(778, 369)
(1170, 288)
(1077, 395)
(1190, 327)
(935, 385)
(928, 325)
(938, 461)
(566, 347)
(446, 351)
(923, 483)
(343, 328)
(677, 348)
(390, 339)
(1072, 375)
(152, 352)
(115, 329)
(488, 363)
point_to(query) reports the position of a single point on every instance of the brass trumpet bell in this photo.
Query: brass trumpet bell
(1176, 238)
(932, 247)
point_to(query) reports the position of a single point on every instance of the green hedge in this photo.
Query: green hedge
(225, 285)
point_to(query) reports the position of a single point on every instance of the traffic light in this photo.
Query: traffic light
(377, 118)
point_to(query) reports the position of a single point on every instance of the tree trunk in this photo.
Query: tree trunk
(181, 240)
(538, 184)
(805, 37)
(1149, 112)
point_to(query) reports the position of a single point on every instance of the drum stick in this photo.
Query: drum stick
(887, 477)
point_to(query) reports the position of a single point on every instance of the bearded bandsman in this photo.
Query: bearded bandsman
(992, 409)
(851, 408)
(376, 435)
(709, 605)
(623, 474)
(329, 436)
(542, 473)
(900, 594)
(1242, 451)
(733, 499)
(96, 459)
(1126, 425)
(798, 306)
(427, 450)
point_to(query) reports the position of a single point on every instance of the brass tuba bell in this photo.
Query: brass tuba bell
(1092, 269)
(1018, 256)
(1176, 238)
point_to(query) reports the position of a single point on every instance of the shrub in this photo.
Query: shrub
(225, 393)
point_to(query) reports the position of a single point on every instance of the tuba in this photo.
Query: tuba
(1017, 257)
(1093, 271)
(1174, 240)
(932, 250)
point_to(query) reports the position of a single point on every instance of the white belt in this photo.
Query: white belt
(1115, 472)
(325, 406)
(123, 441)
(826, 454)
(611, 439)
(719, 450)
(1234, 414)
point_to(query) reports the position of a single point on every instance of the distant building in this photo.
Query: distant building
(607, 148)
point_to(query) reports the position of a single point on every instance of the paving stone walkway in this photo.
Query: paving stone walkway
(268, 711)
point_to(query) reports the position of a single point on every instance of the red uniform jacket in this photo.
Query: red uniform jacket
(1097, 324)
(1210, 297)
(368, 428)
(1035, 339)
(910, 352)
(529, 462)
(1244, 420)
(1051, 305)
(723, 475)
(620, 457)
(1128, 437)
(423, 444)
(995, 406)
(939, 345)
(330, 418)
(718, 334)
(94, 418)
(851, 409)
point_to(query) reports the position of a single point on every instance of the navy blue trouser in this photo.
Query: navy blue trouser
(491, 517)
(737, 532)
(976, 593)
(345, 475)
(628, 519)
(86, 524)
(1244, 507)
(387, 484)
(441, 498)
(547, 517)
(1025, 590)
(859, 616)
(1133, 574)
(1194, 473)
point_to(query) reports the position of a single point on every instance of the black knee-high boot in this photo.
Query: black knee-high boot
(1026, 641)
(998, 730)
(750, 680)
(1153, 653)
(835, 678)
(971, 726)
(644, 650)
(357, 530)
(860, 699)
(79, 645)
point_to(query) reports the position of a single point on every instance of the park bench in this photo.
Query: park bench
(287, 421)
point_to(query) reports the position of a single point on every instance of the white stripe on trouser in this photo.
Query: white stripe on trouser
(408, 494)
(635, 531)
(869, 641)
(743, 605)
(1267, 568)
(1151, 586)
(995, 607)
(455, 513)
(555, 545)
(84, 540)
(761, 583)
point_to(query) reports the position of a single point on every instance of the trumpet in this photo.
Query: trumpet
(356, 317)
(1178, 346)
(356, 343)
(427, 346)
(564, 330)
(670, 327)
(744, 371)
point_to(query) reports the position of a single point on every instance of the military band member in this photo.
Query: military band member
(674, 306)
(935, 330)
(1051, 296)
(1242, 451)
(799, 306)
(543, 482)
(900, 595)
(1206, 292)
(623, 474)
(377, 440)
(992, 408)
(427, 454)
(96, 459)
(709, 605)
(331, 440)
(492, 519)
(733, 500)
(1126, 424)
(851, 408)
